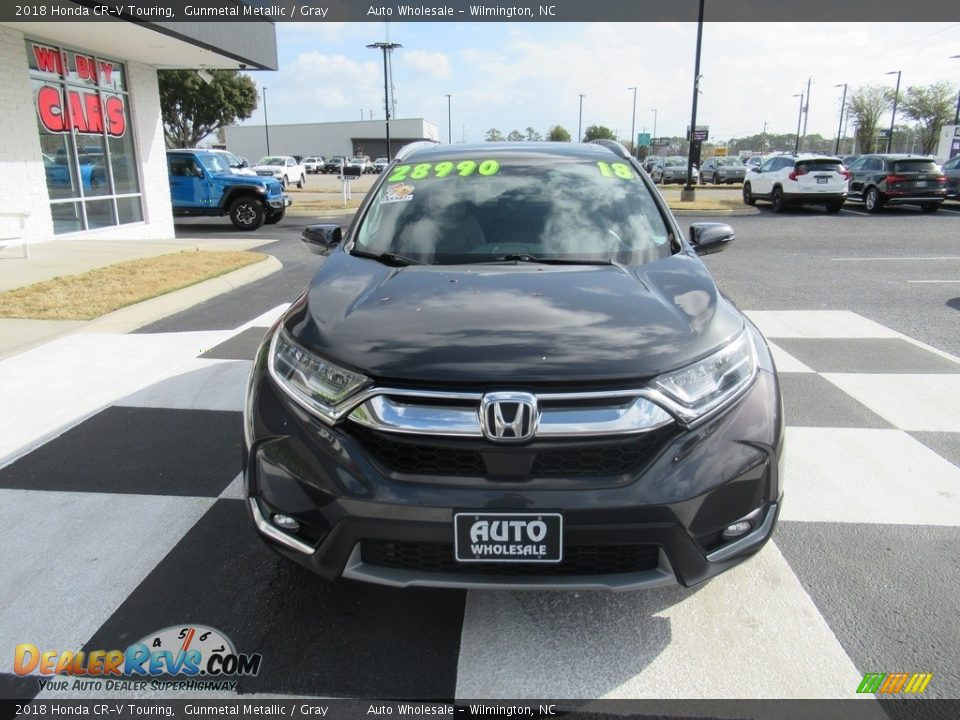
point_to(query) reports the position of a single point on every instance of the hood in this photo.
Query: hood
(271, 168)
(248, 179)
(523, 324)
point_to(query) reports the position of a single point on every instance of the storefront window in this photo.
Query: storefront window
(83, 117)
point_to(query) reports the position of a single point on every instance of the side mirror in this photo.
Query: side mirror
(710, 237)
(321, 239)
(244, 163)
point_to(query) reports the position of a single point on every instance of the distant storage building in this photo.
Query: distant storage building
(361, 137)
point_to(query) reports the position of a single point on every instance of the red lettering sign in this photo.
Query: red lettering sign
(88, 114)
(88, 68)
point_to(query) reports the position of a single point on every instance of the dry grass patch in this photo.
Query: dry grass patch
(97, 292)
(705, 204)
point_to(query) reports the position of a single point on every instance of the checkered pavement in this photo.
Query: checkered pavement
(121, 514)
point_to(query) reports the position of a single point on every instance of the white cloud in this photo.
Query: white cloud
(420, 62)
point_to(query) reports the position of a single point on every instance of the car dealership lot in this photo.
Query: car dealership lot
(135, 452)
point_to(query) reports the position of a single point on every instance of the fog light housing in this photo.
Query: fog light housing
(737, 529)
(285, 522)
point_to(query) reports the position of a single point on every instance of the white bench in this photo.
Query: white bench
(11, 239)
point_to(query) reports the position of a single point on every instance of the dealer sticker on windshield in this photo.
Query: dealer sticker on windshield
(508, 537)
(401, 192)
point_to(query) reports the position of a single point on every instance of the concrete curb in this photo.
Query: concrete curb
(143, 313)
(685, 212)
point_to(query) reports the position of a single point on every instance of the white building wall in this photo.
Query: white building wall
(23, 184)
(326, 139)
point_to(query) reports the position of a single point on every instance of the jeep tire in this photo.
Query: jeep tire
(275, 217)
(247, 213)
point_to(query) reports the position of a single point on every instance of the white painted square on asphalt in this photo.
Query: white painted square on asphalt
(656, 643)
(197, 384)
(75, 557)
(910, 402)
(854, 475)
(786, 362)
(817, 324)
(266, 319)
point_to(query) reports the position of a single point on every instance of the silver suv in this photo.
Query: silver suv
(791, 179)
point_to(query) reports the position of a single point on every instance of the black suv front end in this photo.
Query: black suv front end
(471, 414)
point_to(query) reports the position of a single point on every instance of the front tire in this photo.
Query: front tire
(777, 203)
(872, 202)
(247, 213)
(301, 182)
(748, 198)
(274, 218)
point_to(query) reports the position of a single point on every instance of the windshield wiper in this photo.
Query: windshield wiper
(387, 258)
(524, 257)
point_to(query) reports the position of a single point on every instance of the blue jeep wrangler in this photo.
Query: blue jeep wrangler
(201, 183)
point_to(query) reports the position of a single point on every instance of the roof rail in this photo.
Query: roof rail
(614, 146)
(405, 151)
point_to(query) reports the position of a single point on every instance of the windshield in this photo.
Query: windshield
(919, 165)
(729, 161)
(232, 160)
(214, 163)
(675, 162)
(469, 211)
(273, 161)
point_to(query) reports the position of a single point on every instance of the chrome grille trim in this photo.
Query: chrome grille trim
(622, 417)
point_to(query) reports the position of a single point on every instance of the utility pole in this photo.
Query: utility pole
(688, 193)
(580, 122)
(449, 122)
(806, 115)
(266, 123)
(843, 105)
(796, 145)
(386, 47)
(633, 122)
(893, 116)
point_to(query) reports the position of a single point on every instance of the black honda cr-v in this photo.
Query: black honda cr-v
(512, 370)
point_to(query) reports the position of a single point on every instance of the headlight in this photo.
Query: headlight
(698, 389)
(314, 382)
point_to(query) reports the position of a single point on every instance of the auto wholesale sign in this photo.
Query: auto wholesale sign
(63, 108)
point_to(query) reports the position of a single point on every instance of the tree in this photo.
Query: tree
(558, 134)
(494, 135)
(932, 107)
(516, 136)
(867, 103)
(643, 152)
(191, 109)
(533, 135)
(598, 132)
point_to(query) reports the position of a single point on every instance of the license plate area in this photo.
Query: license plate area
(920, 183)
(508, 537)
(823, 179)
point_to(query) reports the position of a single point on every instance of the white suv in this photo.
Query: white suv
(791, 179)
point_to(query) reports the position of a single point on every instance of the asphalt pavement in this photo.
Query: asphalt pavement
(861, 575)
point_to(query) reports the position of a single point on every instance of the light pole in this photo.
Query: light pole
(266, 123)
(688, 193)
(806, 111)
(580, 121)
(893, 116)
(843, 105)
(956, 115)
(633, 122)
(796, 145)
(386, 47)
(449, 121)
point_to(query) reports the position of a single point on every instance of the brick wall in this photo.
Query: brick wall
(22, 178)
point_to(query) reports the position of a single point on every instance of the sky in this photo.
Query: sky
(513, 75)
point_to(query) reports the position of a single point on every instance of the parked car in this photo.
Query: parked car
(754, 161)
(722, 169)
(791, 179)
(333, 164)
(313, 164)
(881, 179)
(951, 168)
(848, 160)
(673, 170)
(363, 162)
(403, 426)
(202, 183)
(284, 168)
(380, 164)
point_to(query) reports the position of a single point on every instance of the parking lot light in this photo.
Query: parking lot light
(893, 116)
(843, 105)
(956, 115)
(796, 145)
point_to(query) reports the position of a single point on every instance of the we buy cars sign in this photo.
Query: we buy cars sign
(86, 111)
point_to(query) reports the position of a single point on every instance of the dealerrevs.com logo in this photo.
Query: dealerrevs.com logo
(199, 657)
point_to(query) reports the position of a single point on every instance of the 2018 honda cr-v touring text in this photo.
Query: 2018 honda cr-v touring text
(513, 370)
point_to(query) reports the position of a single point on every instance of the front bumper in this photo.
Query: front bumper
(660, 523)
(284, 201)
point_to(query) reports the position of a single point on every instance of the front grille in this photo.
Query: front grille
(418, 455)
(578, 560)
